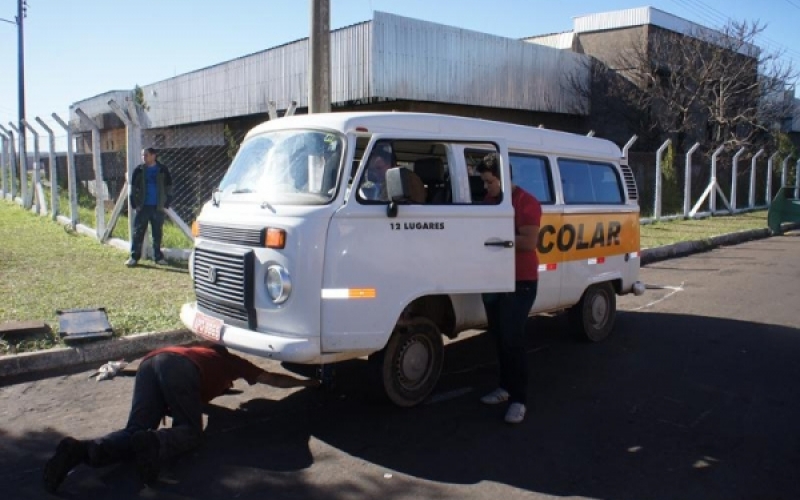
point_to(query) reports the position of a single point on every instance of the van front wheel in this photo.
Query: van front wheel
(410, 364)
(592, 318)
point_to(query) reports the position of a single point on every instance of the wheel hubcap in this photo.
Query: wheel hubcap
(414, 362)
(599, 310)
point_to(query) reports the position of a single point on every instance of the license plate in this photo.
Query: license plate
(208, 327)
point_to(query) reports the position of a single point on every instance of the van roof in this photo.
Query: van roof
(518, 137)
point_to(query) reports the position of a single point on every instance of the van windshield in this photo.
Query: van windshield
(293, 167)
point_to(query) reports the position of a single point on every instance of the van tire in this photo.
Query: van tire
(592, 318)
(408, 368)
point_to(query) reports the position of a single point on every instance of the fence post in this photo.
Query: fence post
(99, 185)
(133, 141)
(628, 146)
(687, 180)
(768, 189)
(71, 181)
(53, 170)
(23, 169)
(37, 192)
(734, 173)
(784, 169)
(712, 202)
(659, 153)
(752, 195)
(797, 179)
(4, 161)
(12, 163)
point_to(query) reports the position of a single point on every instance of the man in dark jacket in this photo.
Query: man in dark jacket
(174, 380)
(150, 195)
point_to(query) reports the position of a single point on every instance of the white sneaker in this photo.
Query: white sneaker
(495, 397)
(131, 262)
(515, 413)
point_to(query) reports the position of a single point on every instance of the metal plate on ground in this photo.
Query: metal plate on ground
(78, 325)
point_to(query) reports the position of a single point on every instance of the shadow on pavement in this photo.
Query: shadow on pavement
(671, 406)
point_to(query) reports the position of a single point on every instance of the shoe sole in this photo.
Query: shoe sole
(146, 457)
(66, 458)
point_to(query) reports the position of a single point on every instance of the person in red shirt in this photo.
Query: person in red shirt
(175, 381)
(506, 313)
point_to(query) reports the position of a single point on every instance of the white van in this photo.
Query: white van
(294, 261)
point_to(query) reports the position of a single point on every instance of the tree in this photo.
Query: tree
(707, 85)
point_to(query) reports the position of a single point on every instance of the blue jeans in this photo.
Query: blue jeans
(152, 215)
(165, 383)
(506, 314)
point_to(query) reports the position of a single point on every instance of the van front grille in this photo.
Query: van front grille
(236, 235)
(223, 283)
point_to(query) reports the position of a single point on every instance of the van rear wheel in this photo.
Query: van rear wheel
(592, 318)
(408, 368)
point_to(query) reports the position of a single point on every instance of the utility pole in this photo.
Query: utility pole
(22, 9)
(319, 60)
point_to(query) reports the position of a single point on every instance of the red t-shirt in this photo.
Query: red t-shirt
(218, 370)
(527, 212)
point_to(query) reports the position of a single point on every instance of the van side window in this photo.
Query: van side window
(477, 190)
(586, 182)
(426, 159)
(532, 174)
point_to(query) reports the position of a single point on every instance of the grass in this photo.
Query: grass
(45, 267)
(665, 233)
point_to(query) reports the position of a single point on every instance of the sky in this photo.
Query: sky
(78, 49)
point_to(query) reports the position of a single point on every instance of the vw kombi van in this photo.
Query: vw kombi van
(299, 258)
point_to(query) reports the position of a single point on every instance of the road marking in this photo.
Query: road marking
(674, 290)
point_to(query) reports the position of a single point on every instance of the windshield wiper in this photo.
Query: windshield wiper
(243, 190)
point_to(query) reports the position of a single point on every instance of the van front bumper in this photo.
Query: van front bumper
(305, 350)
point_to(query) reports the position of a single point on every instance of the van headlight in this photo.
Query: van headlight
(279, 285)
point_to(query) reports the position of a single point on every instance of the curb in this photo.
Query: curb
(62, 358)
(43, 363)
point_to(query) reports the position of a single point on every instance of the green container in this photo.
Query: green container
(785, 207)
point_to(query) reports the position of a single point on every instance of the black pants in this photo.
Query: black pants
(155, 217)
(506, 314)
(165, 383)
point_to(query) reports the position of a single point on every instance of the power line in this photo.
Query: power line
(715, 17)
(793, 4)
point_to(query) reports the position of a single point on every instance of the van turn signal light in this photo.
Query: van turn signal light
(276, 238)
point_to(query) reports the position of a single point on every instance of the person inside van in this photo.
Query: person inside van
(373, 184)
(506, 313)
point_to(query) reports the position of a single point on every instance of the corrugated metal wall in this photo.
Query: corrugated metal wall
(419, 60)
(388, 58)
(245, 85)
(648, 15)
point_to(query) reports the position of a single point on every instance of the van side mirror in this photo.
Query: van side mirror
(403, 187)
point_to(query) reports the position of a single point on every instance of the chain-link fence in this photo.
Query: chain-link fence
(197, 158)
(92, 189)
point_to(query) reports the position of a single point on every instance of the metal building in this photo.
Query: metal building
(388, 62)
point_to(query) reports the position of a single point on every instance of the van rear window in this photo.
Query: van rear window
(589, 183)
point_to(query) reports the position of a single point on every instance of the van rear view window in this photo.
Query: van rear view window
(589, 183)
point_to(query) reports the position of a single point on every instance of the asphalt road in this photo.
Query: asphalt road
(693, 397)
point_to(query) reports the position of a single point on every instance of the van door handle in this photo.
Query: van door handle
(504, 244)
